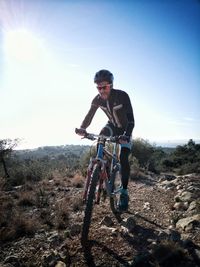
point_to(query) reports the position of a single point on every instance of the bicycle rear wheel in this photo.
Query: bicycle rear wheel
(89, 205)
(115, 183)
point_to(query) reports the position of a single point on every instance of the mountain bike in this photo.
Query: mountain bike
(103, 177)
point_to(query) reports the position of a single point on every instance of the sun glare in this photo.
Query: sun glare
(22, 45)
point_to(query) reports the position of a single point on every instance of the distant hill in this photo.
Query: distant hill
(173, 143)
(52, 151)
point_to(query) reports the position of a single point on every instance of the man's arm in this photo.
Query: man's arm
(130, 116)
(88, 118)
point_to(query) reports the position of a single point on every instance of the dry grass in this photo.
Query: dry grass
(62, 213)
(26, 199)
(46, 218)
(6, 209)
(137, 175)
(77, 204)
(78, 181)
(18, 226)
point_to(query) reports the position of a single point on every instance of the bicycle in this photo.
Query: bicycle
(103, 175)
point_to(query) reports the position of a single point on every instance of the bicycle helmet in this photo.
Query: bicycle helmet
(103, 75)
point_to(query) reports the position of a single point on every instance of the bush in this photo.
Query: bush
(78, 181)
(26, 199)
(18, 226)
(77, 204)
(62, 214)
(189, 168)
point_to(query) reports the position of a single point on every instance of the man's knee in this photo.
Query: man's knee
(107, 131)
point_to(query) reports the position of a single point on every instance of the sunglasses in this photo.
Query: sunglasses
(105, 87)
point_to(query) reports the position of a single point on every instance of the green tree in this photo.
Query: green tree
(143, 151)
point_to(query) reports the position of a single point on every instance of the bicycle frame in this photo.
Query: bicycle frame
(104, 176)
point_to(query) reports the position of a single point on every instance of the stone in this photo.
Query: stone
(60, 264)
(186, 196)
(147, 205)
(192, 206)
(178, 187)
(107, 221)
(186, 205)
(188, 222)
(168, 177)
(178, 206)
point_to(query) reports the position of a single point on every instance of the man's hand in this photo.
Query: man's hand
(124, 139)
(81, 131)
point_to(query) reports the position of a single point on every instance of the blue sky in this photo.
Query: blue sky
(50, 50)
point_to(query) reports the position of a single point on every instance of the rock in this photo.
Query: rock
(192, 206)
(186, 196)
(186, 205)
(168, 177)
(188, 222)
(107, 221)
(60, 264)
(168, 184)
(75, 229)
(178, 206)
(147, 205)
(193, 188)
(178, 187)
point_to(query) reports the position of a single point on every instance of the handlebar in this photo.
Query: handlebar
(90, 136)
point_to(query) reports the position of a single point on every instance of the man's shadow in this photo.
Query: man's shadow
(139, 240)
(90, 259)
(136, 240)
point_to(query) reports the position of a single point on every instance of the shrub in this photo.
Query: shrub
(77, 204)
(78, 181)
(26, 199)
(42, 198)
(189, 168)
(62, 214)
(18, 226)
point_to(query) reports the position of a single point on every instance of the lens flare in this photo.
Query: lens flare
(21, 45)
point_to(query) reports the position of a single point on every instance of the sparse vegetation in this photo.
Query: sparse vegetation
(77, 204)
(78, 181)
(62, 214)
(26, 199)
(43, 195)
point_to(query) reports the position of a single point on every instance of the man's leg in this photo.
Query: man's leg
(125, 172)
(125, 166)
(107, 130)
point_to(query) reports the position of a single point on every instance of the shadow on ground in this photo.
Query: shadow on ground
(166, 250)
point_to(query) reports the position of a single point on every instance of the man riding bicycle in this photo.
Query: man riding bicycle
(117, 106)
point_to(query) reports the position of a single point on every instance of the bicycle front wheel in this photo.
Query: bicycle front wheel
(89, 204)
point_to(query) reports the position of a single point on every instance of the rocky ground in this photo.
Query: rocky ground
(41, 225)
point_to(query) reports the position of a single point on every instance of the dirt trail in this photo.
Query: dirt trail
(148, 222)
(150, 209)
